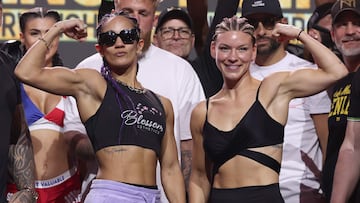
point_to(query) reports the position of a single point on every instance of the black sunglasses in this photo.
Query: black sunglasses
(127, 37)
(268, 23)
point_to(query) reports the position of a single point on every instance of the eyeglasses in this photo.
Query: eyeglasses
(268, 23)
(169, 32)
(126, 36)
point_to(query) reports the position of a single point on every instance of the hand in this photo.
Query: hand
(73, 28)
(285, 32)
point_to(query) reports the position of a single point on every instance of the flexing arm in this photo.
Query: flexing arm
(31, 68)
(169, 163)
(307, 81)
(199, 185)
(62, 80)
(21, 159)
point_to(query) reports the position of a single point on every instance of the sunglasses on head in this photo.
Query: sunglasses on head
(127, 37)
(267, 23)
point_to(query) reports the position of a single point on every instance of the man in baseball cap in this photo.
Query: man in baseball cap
(319, 27)
(341, 6)
(174, 32)
(271, 7)
(340, 171)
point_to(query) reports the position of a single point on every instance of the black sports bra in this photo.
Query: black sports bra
(255, 129)
(139, 120)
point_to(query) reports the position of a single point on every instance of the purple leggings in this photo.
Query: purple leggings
(106, 191)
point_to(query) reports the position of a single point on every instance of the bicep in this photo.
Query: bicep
(304, 82)
(60, 80)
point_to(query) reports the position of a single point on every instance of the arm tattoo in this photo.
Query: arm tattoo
(21, 157)
(186, 166)
(116, 149)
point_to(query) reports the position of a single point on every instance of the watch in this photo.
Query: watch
(33, 193)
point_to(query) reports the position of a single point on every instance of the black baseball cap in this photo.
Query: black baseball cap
(173, 13)
(271, 7)
(319, 13)
(345, 5)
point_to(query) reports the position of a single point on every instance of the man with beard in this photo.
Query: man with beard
(346, 35)
(306, 128)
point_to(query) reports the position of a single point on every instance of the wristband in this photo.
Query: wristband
(298, 36)
(45, 42)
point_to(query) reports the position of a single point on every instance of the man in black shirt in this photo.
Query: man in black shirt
(16, 155)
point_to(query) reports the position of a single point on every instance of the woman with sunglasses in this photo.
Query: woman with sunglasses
(129, 126)
(56, 166)
(238, 133)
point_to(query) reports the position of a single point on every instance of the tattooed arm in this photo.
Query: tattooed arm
(21, 160)
(186, 151)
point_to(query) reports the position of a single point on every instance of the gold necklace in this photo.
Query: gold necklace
(134, 89)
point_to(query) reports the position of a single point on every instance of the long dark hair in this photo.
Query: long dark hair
(40, 12)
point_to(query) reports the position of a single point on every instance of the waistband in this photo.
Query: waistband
(115, 185)
(56, 180)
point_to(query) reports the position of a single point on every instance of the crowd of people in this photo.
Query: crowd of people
(184, 111)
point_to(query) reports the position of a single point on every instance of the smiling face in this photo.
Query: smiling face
(35, 28)
(120, 55)
(346, 33)
(233, 52)
(176, 37)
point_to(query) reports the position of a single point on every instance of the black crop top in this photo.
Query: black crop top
(139, 120)
(256, 129)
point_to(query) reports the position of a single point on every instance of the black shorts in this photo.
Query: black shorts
(251, 194)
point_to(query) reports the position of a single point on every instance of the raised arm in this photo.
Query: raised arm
(21, 159)
(86, 85)
(171, 176)
(198, 12)
(309, 81)
(31, 70)
(199, 185)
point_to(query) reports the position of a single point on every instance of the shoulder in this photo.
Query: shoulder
(199, 110)
(166, 103)
(198, 116)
